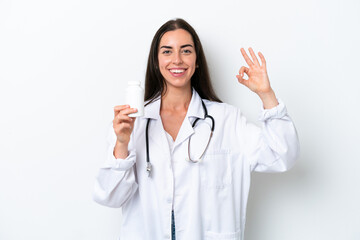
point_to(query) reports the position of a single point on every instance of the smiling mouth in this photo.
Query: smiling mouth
(177, 70)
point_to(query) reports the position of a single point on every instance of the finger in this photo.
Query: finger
(126, 126)
(123, 128)
(128, 111)
(118, 108)
(243, 70)
(246, 57)
(120, 118)
(254, 57)
(262, 58)
(125, 112)
(242, 80)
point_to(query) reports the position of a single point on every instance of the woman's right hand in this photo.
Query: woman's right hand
(123, 124)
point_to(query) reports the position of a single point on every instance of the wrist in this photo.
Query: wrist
(268, 99)
(121, 144)
(121, 150)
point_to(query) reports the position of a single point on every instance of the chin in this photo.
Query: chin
(178, 85)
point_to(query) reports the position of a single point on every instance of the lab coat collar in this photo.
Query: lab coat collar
(195, 110)
(152, 110)
(195, 107)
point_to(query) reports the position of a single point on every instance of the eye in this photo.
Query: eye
(187, 51)
(166, 52)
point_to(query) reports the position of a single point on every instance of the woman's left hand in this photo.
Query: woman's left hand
(258, 80)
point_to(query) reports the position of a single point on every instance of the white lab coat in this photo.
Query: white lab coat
(209, 198)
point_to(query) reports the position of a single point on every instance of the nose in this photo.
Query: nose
(177, 58)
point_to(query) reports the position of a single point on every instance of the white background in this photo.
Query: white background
(65, 64)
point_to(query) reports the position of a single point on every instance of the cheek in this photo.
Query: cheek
(163, 62)
(192, 61)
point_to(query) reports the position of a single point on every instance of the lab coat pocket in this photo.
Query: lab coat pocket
(222, 236)
(215, 169)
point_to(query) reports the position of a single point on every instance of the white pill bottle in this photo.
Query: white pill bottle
(135, 98)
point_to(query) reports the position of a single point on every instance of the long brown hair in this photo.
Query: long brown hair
(155, 84)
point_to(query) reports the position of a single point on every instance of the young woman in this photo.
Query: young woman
(183, 169)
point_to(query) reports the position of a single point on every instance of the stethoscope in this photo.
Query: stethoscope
(149, 166)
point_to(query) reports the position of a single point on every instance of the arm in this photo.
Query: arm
(115, 182)
(275, 147)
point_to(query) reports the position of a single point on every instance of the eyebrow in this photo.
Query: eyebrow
(183, 46)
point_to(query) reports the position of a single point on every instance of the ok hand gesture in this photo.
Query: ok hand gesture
(258, 80)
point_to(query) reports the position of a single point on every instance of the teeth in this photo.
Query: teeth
(177, 70)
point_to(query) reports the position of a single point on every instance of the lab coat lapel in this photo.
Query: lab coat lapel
(156, 129)
(185, 131)
(157, 133)
(195, 110)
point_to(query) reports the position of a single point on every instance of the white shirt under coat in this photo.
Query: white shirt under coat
(209, 198)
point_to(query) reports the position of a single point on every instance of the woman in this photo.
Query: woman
(191, 188)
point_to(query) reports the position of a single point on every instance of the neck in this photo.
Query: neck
(176, 99)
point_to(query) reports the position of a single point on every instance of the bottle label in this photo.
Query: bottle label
(135, 98)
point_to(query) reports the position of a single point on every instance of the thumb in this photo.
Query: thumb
(242, 80)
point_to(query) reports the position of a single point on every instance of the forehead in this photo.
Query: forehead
(176, 37)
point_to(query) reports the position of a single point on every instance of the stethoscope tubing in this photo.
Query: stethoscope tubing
(206, 115)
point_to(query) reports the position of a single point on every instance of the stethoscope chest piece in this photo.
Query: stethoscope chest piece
(148, 168)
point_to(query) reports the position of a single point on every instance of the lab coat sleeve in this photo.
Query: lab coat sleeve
(115, 182)
(275, 146)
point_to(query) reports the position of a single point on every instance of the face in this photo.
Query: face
(177, 58)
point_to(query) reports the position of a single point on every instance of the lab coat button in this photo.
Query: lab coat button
(167, 236)
(169, 200)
